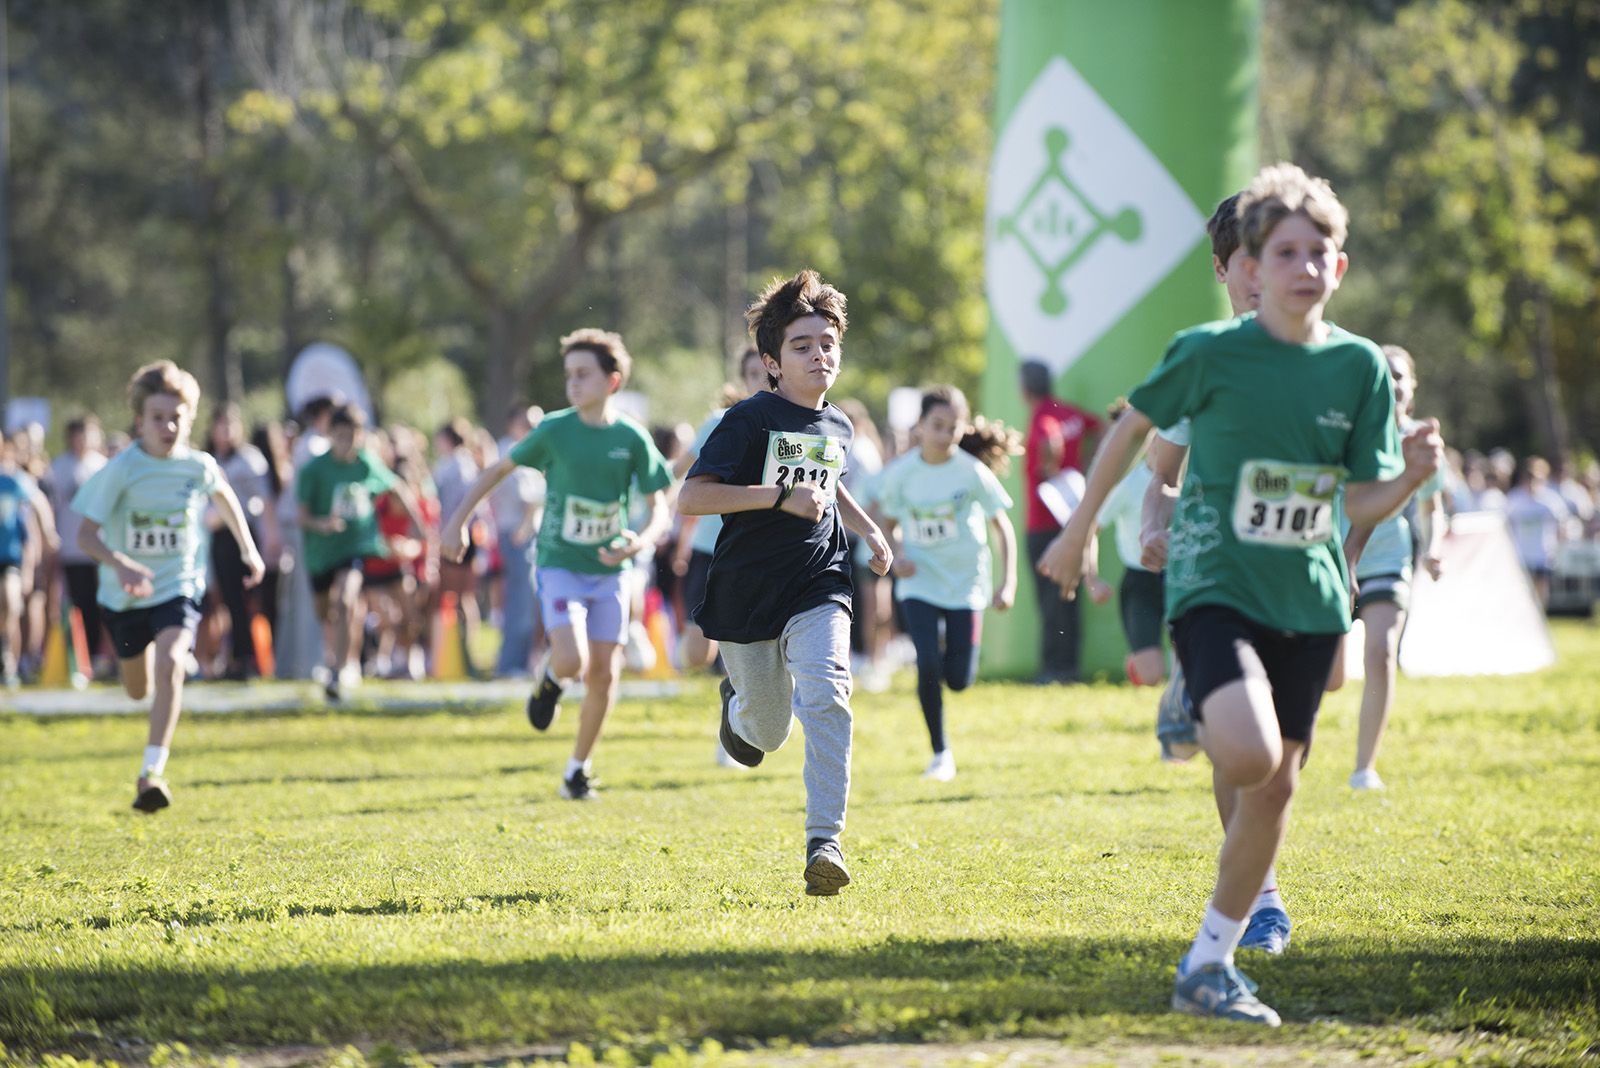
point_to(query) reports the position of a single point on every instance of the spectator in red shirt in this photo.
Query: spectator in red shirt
(1059, 438)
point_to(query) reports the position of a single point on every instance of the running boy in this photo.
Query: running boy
(25, 515)
(778, 594)
(1283, 409)
(593, 457)
(338, 492)
(142, 523)
(939, 498)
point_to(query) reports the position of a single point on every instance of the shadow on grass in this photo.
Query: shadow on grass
(898, 988)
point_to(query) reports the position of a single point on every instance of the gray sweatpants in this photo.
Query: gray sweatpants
(804, 674)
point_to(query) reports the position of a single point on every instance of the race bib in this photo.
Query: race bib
(352, 501)
(1285, 504)
(797, 459)
(157, 535)
(932, 525)
(589, 522)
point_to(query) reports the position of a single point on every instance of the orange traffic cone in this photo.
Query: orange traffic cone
(448, 659)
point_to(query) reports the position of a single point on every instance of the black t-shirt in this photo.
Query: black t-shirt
(769, 566)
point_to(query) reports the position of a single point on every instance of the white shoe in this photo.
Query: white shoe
(1366, 779)
(350, 676)
(637, 652)
(942, 768)
(875, 678)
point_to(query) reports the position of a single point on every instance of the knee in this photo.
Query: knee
(601, 672)
(565, 665)
(1249, 768)
(958, 680)
(1278, 790)
(138, 688)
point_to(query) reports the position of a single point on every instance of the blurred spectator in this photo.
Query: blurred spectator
(80, 574)
(1580, 503)
(246, 470)
(871, 624)
(1480, 494)
(273, 444)
(454, 471)
(517, 503)
(1059, 437)
(1538, 517)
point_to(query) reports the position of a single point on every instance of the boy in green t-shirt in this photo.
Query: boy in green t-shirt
(1283, 408)
(337, 491)
(593, 457)
(142, 523)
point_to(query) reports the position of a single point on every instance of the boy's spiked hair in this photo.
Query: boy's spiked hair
(349, 415)
(1223, 229)
(163, 376)
(784, 301)
(609, 351)
(1282, 190)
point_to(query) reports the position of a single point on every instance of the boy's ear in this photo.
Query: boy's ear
(1219, 268)
(614, 380)
(1341, 265)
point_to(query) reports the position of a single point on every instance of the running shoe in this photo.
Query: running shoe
(153, 795)
(1366, 779)
(1268, 931)
(544, 703)
(1220, 992)
(580, 787)
(735, 746)
(942, 768)
(1176, 728)
(825, 872)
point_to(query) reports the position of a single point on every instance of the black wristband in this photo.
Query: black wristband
(783, 494)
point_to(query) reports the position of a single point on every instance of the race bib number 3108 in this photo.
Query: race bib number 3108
(1285, 504)
(797, 459)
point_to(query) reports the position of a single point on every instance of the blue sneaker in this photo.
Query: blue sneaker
(1220, 992)
(1176, 728)
(1268, 931)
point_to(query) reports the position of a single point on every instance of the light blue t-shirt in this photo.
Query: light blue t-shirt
(1388, 551)
(151, 510)
(1178, 433)
(1124, 511)
(942, 510)
(704, 539)
(13, 529)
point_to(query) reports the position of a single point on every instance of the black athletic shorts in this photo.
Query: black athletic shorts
(1143, 606)
(133, 630)
(694, 581)
(1217, 645)
(322, 581)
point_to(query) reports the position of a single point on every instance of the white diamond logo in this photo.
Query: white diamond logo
(1083, 220)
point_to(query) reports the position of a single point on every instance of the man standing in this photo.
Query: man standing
(1058, 436)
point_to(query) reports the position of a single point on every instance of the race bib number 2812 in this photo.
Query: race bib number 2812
(799, 459)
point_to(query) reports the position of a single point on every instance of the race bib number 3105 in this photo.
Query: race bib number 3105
(798, 459)
(1285, 504)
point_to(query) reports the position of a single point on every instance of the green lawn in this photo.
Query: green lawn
(411, 882)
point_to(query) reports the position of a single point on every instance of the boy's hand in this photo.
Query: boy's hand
(1099, 592)
(453, 546)
(1423, 450)
(1063, 563)
(1153, 550)
(330, 524)
(1004, 598)
(621, 548)
(806, 502)
(255, 569)
(882, 555)
(134, 578)
(1434, 564)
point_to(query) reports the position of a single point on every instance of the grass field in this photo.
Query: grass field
(409, 882)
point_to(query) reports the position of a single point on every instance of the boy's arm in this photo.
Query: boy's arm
(1005, 593)
(1166, 462)
(233, 517)
(452, 536)
(133, 576)
(1370, 503)
(46, 516)
(857, 520)
(1064, 561)
(634, 542)
(1429, 511)
(320, 524)
(707, 495)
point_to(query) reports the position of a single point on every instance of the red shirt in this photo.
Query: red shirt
(1061, 423)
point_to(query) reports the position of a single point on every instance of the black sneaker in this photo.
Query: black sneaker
(732, 744)
(544, 703)
(580, 787)
(826, 874)
(153, 795)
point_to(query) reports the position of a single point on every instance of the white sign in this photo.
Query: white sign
(326, 370)
(1083, 220)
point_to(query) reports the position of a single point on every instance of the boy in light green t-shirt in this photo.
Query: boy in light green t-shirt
(593, 457)
(1283, 408)
(142, 524)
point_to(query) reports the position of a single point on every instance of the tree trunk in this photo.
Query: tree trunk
(1549, 419)
(227, 377)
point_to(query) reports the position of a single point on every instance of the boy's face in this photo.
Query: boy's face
(1405, 386)
(587, 385)
(1242, 295)
(164, 421)
(1299, 267)
(753, 373)
(808, 360)
(343, 441)
(940, 429)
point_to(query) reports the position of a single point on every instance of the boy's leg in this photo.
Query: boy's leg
(963, 633)
(171, 648)
(10, 621)
(760, 704)
(136, 672)
(350, 620)
(816, 650)
(606, 628)
(1383, 621)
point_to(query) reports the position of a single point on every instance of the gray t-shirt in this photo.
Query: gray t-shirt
(68, 473)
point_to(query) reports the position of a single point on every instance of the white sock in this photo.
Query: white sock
(1269, 897)
(574, 764)
(1215, 943)
(155, 761)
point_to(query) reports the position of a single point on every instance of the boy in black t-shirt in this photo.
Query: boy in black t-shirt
(778, 594)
